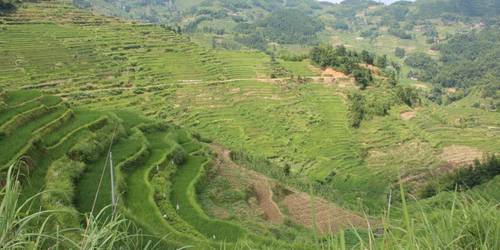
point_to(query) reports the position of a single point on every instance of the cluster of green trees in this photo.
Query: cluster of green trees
(400, 52)
(394, 13)
(348, 9)
(370, 33)
(236, 5)
(467, 60)
(291, 26)
(285, 26)
(401, 32)
(464, 178)
(447, 10)
(365, 105)
(356, 109)
(470, 8)
(424, 67)
(7, 5)
(361, 105)
(470, 59)
(255, 40)
(151, 11)
(431, 33)
(408, 95)
(193, 25)
(348, 61)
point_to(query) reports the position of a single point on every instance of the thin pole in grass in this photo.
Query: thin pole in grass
(100, 182)
(103, 170)
(113, 195)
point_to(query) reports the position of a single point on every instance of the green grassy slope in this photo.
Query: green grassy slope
(225, 95)
(162, 74)
(138, 147)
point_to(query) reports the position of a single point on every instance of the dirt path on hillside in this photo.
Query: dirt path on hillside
(459, 155)
(321, 215)
(340, 82)
(131, 87)
(303, 209)
(259, 183)
(406, 116)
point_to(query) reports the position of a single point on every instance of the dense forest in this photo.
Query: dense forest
(286, 26)
(152, 11)
(470, 59)
(291, 27)
(470, 8)
(250, 23)
(467, 60)
(347, 61)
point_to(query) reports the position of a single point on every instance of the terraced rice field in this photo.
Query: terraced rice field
(163, 74)
(135, 154)
(88, 67)
(75, 84)
(141, 150)
(102, 63)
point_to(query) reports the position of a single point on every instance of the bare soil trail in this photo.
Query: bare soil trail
(458, 155)
(453, 157)
(259, 183)
(406, 116)
(302, 208)
(321, 215)
(330, 72)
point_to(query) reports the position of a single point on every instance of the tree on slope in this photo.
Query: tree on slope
(6, 5)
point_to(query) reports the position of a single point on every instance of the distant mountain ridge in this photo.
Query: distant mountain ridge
(382, 1)
(258, 23)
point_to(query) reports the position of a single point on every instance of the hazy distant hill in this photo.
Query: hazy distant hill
(271, 25)
(382, 1)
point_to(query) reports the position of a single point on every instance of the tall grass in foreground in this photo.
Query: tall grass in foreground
(452, 221)
(447, 221)
(20, 228)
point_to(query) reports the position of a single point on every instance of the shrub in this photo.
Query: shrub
(87, 151)
(464, 178)
(101, 122)
(60, 193)
(341, 25)
(90, 149)
(154, 127)
(400, 52)
(408, 95)
(138, 158)
(178, 155)
(59, 181)
(363, 77)
(200, 138)
(8, 5)
(401, 33)
(356, 109)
